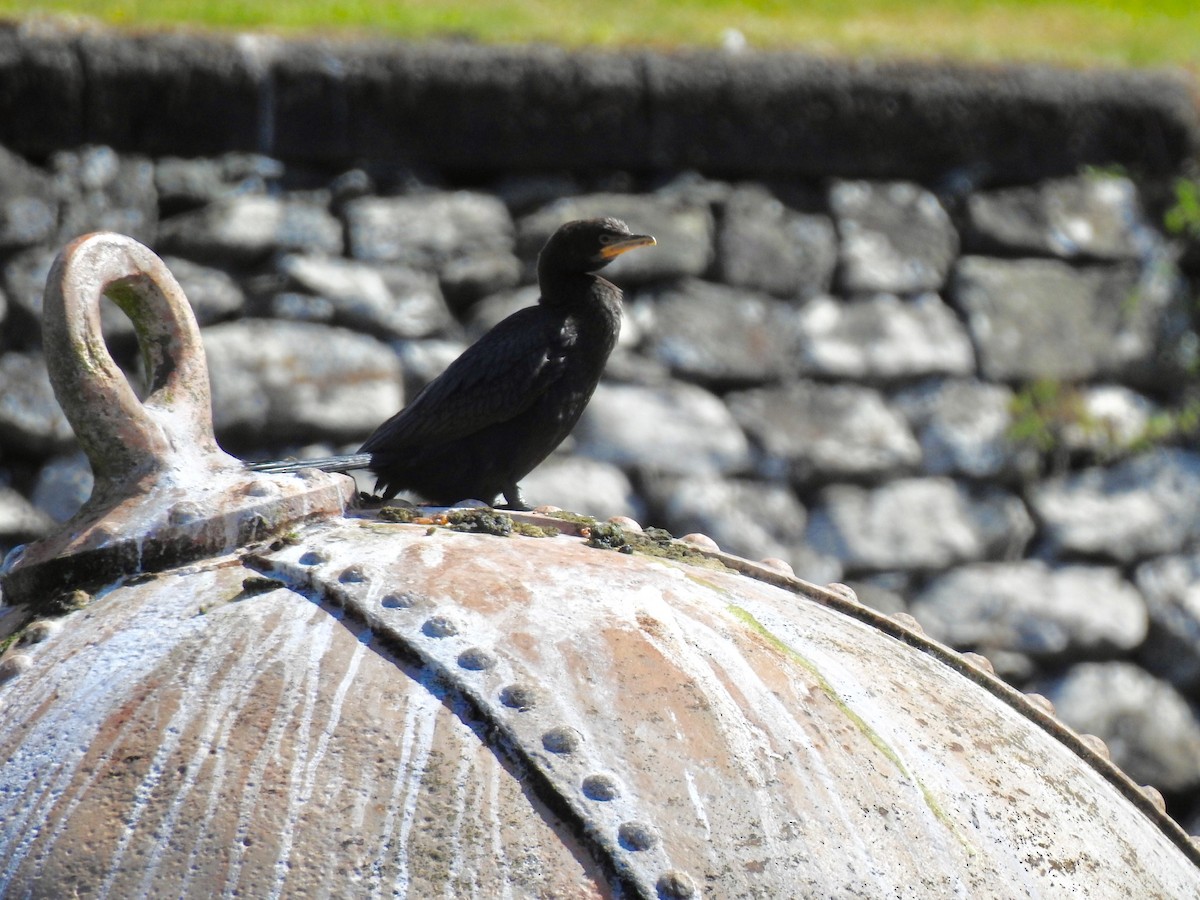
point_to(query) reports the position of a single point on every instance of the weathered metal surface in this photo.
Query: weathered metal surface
(475, 714)
(164, 491)
(364, 708)
(185, 738)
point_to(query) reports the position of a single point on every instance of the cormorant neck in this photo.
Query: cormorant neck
(563, 288)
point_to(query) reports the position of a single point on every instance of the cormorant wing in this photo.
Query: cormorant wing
(496, 378)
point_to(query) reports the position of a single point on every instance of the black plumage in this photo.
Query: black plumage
(500, 409)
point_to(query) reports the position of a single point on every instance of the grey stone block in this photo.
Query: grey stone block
(31, 421)
(244, 228)
(814, 433)
(715, 334)
(274, 382)
(882, 338)
(923, 524)
(895, 236)
(1171, 586)
(1096, 217)
(766, 246)
(1138, 508)
(388, 301)
(1035, 318)
(1030, 608)
(670, 428)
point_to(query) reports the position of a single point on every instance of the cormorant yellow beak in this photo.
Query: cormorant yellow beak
(616, 248)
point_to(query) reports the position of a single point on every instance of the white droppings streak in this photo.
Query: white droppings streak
(428, 707)
(432, 554)
(697, 803)
(420, 718)
(217, 703)
(393, 806)
(301, 789)
(89, 687)
(283, 643)
(457, 860)
(297, 670)
(500, 856)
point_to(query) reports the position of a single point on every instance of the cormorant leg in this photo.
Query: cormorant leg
(513, 498)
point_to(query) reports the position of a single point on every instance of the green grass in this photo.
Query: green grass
(1074, 32)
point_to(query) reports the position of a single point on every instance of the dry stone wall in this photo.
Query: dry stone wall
(917, 329)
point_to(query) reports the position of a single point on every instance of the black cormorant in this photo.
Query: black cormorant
(500, 409)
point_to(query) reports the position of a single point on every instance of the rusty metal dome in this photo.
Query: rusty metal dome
(272, 693)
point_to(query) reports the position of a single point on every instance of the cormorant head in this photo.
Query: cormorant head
(586, 245)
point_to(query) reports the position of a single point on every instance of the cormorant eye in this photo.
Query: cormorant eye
(607, 238)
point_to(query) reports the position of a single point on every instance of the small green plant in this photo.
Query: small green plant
(1170, 425)
(1182, 218)
(1043, 412)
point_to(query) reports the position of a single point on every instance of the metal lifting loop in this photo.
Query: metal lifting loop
(123, 436)
(165, 493)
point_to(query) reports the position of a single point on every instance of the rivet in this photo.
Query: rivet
(636, 836)
(700, 540)
(476, 659)
(261, 487)
(907, 621)
(1155, 796)
(562, 739)
(1096, 745)
(519, 696)
(779, 565)
(844, 591)
(184, 513)
(36, 632)
(979, 661)
(439, 627)
(600, 787)
(313, 558)
(13, 665)
(396, 601)
(353, 574)
(1041, 702)
(626, 524)
(676, 885)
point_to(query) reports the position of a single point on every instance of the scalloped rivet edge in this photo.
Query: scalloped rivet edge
(908, 621)
(626, 524)
(1154, 795)
(635, 836)
(842, 590)
(700, 540)
(979, 661)
(676, 885)
(40, 630)
(1096, 745)
(1042, 702)
(779, 565)
(13, 665)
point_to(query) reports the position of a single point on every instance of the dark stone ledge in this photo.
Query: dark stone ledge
(470, 108)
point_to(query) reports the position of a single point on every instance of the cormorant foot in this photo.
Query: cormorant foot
(514, 500)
